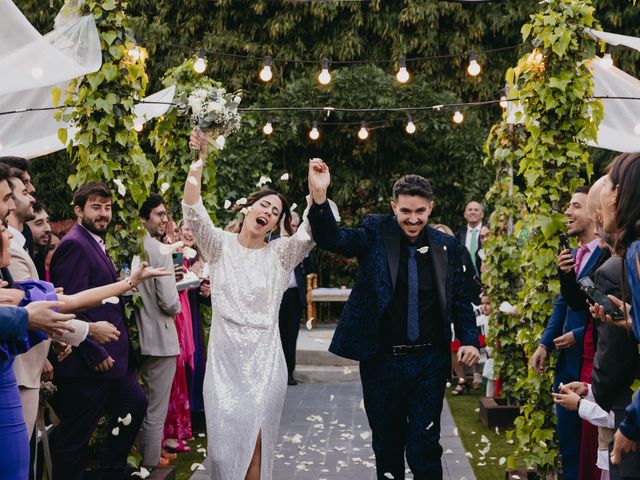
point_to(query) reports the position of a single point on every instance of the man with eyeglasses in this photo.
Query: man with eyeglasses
(158, 336)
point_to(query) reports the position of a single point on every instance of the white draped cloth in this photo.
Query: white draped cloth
(32, 65)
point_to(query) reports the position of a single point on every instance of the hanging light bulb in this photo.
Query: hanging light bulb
(363, 133)
(458, 117)
(607, 60)
(268, 127)
(314, 133)
(138, 127)
(474, 68)
(403, 74)
(504, 103)
(325, 77)
(410, 127)
(266, 74)
(200, 64)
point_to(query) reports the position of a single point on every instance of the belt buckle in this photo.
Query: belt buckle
(401, 349)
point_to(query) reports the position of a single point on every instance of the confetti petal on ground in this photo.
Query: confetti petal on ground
(468, 454)
(318, 340)
(309, 323)
(331, 397)
(143, 473)
(455, 432)
(126, 420)
(201, 450)
(112, 300)
(115, 432)
(362, 404)
(347, 371)
(197, 466)
(502, 461)
(201, 435)
(365, 435)
(388, 475)
(297, 438)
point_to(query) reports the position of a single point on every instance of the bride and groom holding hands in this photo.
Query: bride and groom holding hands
(408, 292)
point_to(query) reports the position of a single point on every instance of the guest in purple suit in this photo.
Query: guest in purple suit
(95, 380)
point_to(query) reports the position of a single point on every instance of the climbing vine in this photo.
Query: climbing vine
(554, 86)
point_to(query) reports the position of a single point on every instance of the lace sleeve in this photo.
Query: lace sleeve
(292, 250)
(208, 237)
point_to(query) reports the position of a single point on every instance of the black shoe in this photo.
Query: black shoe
(291, 380)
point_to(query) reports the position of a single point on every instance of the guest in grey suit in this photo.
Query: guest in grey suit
(158, 337)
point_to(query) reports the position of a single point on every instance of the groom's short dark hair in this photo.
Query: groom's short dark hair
(413, 185)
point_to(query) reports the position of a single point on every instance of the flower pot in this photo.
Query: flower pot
(494, 412)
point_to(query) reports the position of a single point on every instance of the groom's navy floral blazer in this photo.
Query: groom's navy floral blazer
(376, 244)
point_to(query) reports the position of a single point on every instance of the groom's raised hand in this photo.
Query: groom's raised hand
(319, 180)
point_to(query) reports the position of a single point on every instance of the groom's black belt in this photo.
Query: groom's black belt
(406, 349)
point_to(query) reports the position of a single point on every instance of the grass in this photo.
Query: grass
(184, 461)
(470, 428)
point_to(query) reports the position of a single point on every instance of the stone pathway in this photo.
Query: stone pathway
(324, 434)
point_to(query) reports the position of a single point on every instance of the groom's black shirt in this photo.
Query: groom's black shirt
(394, 318)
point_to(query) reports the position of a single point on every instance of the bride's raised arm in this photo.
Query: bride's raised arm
(208, 237)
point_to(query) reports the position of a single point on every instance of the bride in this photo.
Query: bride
(246, 376)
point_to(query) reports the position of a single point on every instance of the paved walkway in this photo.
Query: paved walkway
(324, 434)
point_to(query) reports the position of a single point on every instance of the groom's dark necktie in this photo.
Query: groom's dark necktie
(413, 328)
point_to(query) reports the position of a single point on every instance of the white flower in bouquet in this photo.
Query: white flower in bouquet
(212, 109)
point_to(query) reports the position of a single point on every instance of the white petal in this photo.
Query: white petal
(166, 249)
(227, 204)
(164, 187)
(297, 438)
(362, 405)
(293, 206)
(310, 323)
(115, 432)
(502, 461)
(143, 473)
(430, 426)
(455, 432)
(197, 466)
(201, 450)
(241, 201)
(365, 435)
(112, 300)
(424, 249)
(135, 263)
(284, 176)
(468, 454)
(347, 371)
(388, 475)
(189, 253)
(192, 180)
(196, 165)
(220, 141)
(331, 397)
(126, 421)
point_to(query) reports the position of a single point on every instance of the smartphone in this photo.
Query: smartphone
(177, 258)
(564, 242)
(595, 295)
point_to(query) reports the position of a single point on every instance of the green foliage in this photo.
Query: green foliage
(555, 87)
(101, 107)
(503, 278)
(170, 140)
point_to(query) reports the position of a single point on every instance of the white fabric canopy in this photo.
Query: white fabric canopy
(33, 64)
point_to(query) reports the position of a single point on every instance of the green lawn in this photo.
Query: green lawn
(185, 460)
(465, 412)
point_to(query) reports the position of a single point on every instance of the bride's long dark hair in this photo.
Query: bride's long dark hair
(284, 218)
(624, 174)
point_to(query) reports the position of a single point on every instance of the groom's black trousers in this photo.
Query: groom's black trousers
(403, 398)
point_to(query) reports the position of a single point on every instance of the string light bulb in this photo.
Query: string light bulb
(138, 127)
(474, 67)
(266, 74)
(268, 127)
(458, 117)
(325, 77)
(504, 103)
(403, 74)
(410, 127)
(200, 65)
(363, 133)
(134, 53)
(314, 133)
(607, 60)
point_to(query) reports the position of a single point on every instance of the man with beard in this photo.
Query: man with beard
(397, 322)
(22, 266)
(94, 379)
(158, 336)
(41, 231)
(569, 331)
(20, 168)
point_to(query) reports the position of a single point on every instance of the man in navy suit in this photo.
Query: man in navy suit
(566, 330)
(94, 380)
(397, 321)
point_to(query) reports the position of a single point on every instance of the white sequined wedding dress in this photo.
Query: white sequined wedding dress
(246, 376)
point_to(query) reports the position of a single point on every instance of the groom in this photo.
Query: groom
(397, 321)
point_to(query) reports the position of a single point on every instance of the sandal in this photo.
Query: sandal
(461, 388)
(181, 447)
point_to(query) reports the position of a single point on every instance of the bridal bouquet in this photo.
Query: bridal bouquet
(212, 110)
